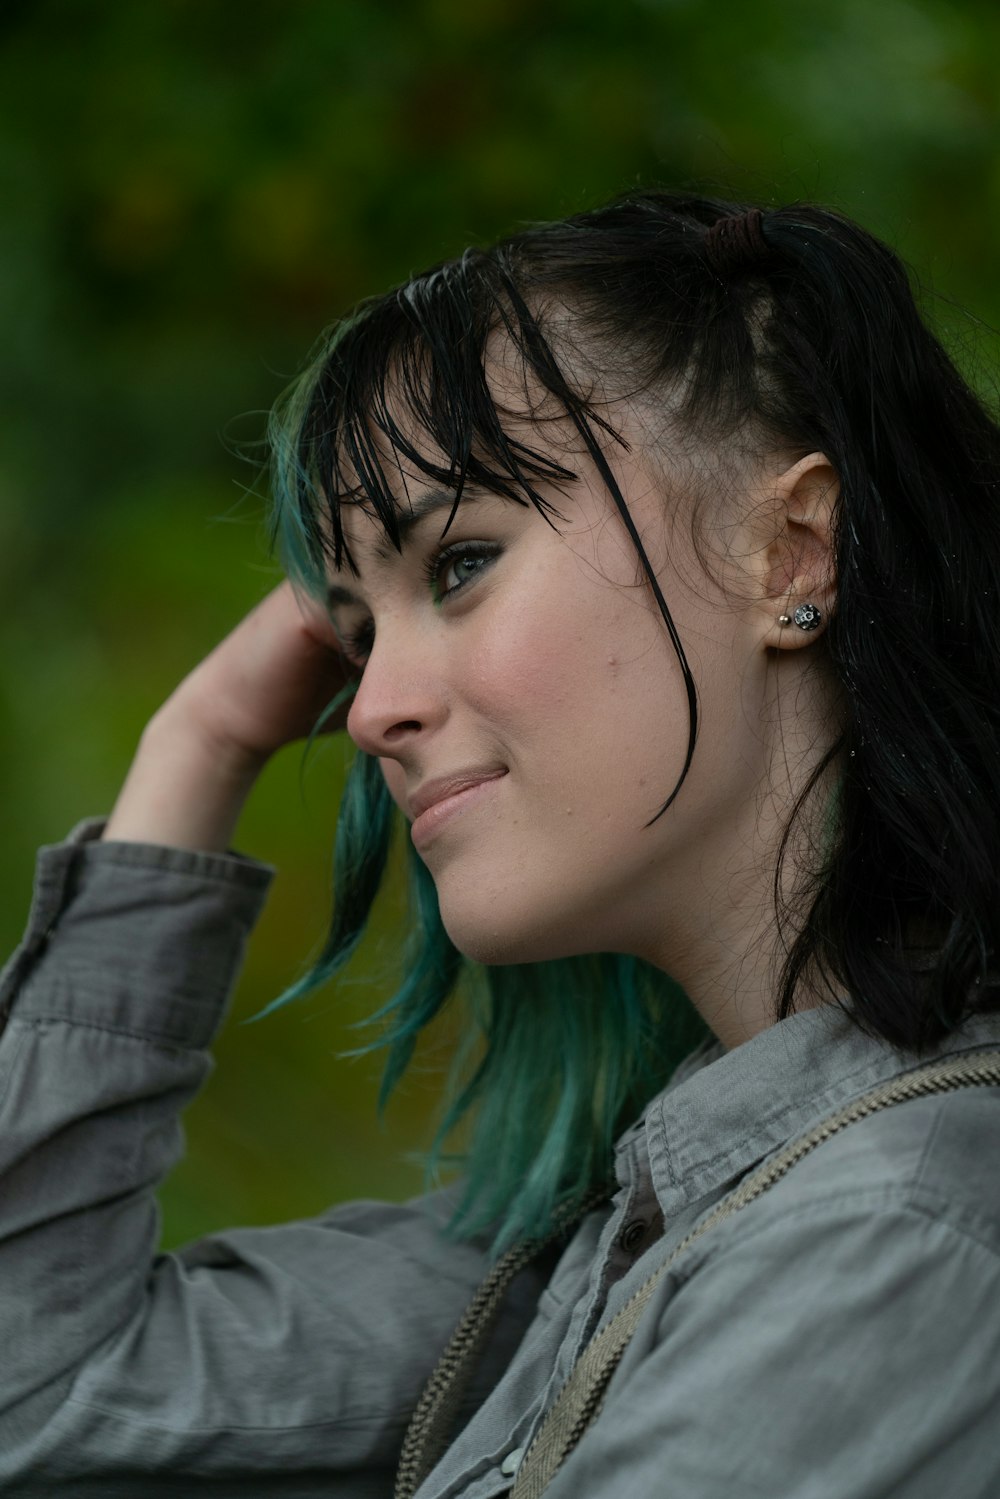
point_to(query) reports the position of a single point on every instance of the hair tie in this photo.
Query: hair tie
(736, 242)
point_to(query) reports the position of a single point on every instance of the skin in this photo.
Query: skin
(554, 856)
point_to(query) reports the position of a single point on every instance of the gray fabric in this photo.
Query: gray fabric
(840, 1337)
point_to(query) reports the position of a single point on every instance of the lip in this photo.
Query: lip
(435, 800)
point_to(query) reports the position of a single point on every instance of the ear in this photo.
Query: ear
(795, 565)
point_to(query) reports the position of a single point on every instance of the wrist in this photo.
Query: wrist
(176, 730)
(185, 788)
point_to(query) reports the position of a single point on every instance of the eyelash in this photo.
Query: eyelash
(358, 643)
(438, 561)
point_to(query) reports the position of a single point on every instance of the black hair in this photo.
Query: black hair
(802, 328)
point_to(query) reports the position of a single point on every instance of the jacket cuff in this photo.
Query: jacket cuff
(143, 939)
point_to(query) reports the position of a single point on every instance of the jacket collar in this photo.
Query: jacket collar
(724, 1111)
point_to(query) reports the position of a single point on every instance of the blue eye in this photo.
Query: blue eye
(458, 565)
(448, 571)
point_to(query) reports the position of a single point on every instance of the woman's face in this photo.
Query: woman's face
(530, 715)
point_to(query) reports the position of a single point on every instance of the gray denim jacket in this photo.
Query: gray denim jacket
(838, 1339)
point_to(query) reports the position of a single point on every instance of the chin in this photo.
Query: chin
(484, 940)
(481, 942)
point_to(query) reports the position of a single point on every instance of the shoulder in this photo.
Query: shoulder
(881, 1248)
(836, 1340)
(833, 1337)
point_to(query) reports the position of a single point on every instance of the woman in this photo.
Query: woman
(655, 554)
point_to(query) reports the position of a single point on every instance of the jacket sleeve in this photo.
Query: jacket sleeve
(847, 1351)
(293, 1354)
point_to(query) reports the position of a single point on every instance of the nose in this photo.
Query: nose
(399, 700)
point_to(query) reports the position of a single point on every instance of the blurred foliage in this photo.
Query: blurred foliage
(191, 191)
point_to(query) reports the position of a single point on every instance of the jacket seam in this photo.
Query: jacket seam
(42, 1022)
(367, 1423)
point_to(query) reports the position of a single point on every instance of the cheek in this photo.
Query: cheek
(570, 644)
(526, 667)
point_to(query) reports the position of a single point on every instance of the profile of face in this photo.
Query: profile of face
(530, 715)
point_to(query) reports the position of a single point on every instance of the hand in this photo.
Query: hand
(263, 686)
(267, 682)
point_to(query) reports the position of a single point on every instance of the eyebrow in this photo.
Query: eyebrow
(426, 504)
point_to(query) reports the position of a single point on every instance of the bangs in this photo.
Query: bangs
(402, 388)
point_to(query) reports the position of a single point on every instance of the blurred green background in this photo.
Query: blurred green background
(191, 190)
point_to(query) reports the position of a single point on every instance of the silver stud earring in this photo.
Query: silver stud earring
(806, 616)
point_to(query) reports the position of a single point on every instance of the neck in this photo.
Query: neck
(729, 946)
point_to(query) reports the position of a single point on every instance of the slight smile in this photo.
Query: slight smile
(437, 801)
